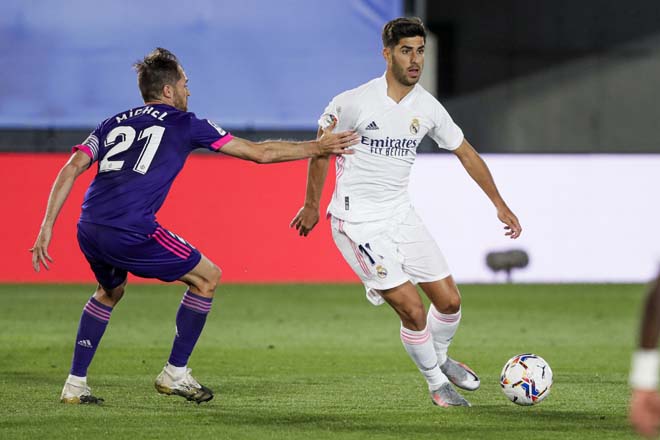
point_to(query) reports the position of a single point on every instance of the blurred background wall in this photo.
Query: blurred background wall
(544, 76)
(551, 76)
(254, 65)
(562, 96)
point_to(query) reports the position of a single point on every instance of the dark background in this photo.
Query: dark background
(518, 76)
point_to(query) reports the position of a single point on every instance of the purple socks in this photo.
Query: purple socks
(190, 321)
(94, 320)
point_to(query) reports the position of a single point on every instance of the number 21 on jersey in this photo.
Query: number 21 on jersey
(121, 139)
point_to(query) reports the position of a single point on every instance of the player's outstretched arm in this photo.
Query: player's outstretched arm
(478, 170)
(308, 216)
(283, 151)
(645, 400)
(78, 163)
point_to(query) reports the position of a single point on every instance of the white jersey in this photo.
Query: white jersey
(372, 184)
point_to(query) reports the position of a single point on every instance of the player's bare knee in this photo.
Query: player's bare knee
(206, 282)
(413, 318)
(117, 293)
(110, 297)
(413, 325)
(213, 279)
(451, 305)
(217, 275)
(207, 285)
(203, 288)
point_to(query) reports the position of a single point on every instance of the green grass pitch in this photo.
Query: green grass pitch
(316, 362)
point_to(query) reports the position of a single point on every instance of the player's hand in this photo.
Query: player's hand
(513, 228)
(645, 412)
(305, 220)
(336, 143)
(40, 249)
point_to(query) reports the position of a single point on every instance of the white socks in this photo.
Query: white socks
(442, 328)
(419, 346)
(175, 372)
(77, 380)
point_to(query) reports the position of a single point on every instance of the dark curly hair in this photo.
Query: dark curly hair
(159, 68)
(402, 27)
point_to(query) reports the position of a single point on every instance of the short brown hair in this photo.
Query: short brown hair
(159, 68)
(402, 27)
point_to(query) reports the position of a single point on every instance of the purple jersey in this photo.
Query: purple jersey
(139, 154)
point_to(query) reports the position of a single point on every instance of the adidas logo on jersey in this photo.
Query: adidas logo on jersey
(85, 343)
(372, 126)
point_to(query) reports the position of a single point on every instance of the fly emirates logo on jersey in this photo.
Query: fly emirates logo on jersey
(397, 147)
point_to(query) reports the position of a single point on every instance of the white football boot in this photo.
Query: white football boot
(460, 375)
(185, 386)
(446, 396)
(77, 392)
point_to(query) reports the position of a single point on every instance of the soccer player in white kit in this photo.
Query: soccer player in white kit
(373, 222)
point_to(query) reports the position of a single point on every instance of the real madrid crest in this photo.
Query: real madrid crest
(414, 126)
(381, 271)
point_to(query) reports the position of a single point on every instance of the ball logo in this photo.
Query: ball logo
(381, 271)
(414, 126)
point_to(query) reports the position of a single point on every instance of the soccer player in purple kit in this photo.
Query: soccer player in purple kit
(139, 154)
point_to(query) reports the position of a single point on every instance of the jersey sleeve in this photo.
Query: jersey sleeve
(205, 133)
(445, 132)
(90, 146)
(341, 111)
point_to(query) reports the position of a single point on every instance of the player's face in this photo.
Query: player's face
(181, 93)
(406, 60)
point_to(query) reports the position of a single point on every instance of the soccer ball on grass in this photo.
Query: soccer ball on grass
(526, 379)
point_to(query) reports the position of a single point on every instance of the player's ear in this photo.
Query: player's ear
(386, 53)
(168, 91)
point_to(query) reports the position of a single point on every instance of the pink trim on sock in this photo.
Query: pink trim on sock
(98, 308)
(415, 339)
(96, 311)
(197, 300)
(195, 308)
(446, 319)
(193, 303)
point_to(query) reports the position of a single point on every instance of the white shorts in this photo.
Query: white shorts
(390, 252)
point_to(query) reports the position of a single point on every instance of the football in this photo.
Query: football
(526, 379)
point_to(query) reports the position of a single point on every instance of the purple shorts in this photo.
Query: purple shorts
(112, 253)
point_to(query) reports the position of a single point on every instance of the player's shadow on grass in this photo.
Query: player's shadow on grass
(453, 420)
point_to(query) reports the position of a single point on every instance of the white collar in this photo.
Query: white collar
(382, 89)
